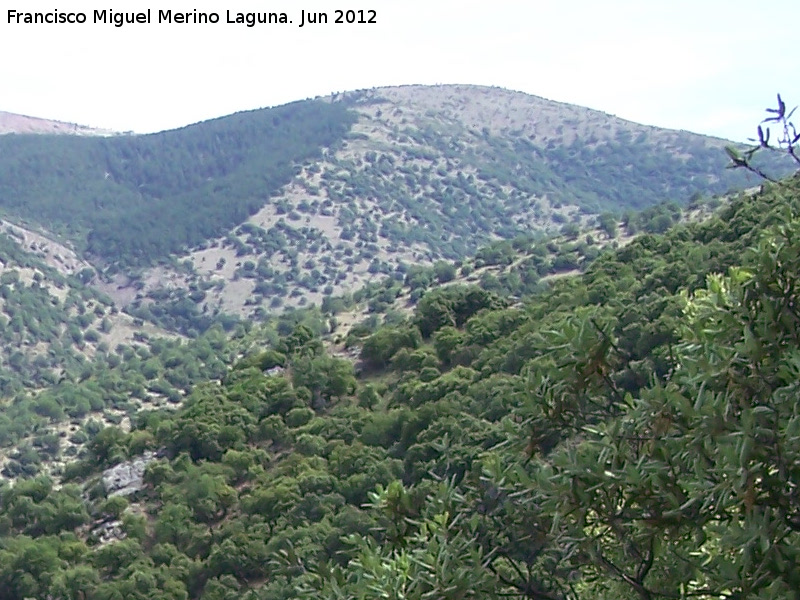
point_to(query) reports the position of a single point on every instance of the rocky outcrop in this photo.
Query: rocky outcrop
(109, 531)
(125, 478)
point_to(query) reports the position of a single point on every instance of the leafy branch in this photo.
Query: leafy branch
(786, 143)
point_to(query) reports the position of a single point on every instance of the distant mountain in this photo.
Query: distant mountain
(285, 206)
(14, 123)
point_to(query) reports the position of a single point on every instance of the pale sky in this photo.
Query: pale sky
(710, 66)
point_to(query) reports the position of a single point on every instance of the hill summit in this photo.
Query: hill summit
(285, 205)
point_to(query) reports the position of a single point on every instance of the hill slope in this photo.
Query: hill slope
(282, 207)
(11, 123)
(134, 199)
(630, 432)
(423, 173)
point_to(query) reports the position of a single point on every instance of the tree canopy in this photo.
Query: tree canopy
(628, 432)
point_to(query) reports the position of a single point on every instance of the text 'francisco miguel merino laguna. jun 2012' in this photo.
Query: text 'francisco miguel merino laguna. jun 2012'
(194, 17)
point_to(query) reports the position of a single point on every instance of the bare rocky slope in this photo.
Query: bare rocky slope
(23, 124)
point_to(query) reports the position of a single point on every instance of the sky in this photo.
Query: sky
(707, 66)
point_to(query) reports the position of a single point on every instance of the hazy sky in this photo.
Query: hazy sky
(704, 65)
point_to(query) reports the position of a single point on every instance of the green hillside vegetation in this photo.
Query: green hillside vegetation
(49, 323)
(67, 354)
(58, 392)
(451, 189)
(511, 268)
(427, 174)
(630, 432)
(136, 199)
(369, 175)
(244, 216)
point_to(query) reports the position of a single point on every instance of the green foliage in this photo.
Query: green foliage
(136, 199)
(325, 376)
(379, 348)
(451, 305)
(213, 425)
(55, 371)
(630, 432)
(608, 223)
(433, 559)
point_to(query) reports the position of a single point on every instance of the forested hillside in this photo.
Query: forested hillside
(51, 324)
(374, 182)
(135, 199)
(628, 432)
(70, 362)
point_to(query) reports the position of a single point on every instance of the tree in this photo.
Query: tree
(692, 490)
(73, 583)
(27, 567)
(325, 376)
(272, 502)
(444, 271)
(452, 305)
(435, 558)
(446, 341)
(608, 223)
(380, 347)
(107, 446)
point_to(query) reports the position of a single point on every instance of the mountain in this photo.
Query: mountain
(60, 342)
(70, 359)
(11, 123)
(607, 410)
(430, 173)
(125, 199)
(285, 206)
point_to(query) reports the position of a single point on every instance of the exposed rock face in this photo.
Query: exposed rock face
(275, 371)
(110, 531)
(125, 478)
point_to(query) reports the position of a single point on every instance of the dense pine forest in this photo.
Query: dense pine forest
(135, 199)
(630, 431)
